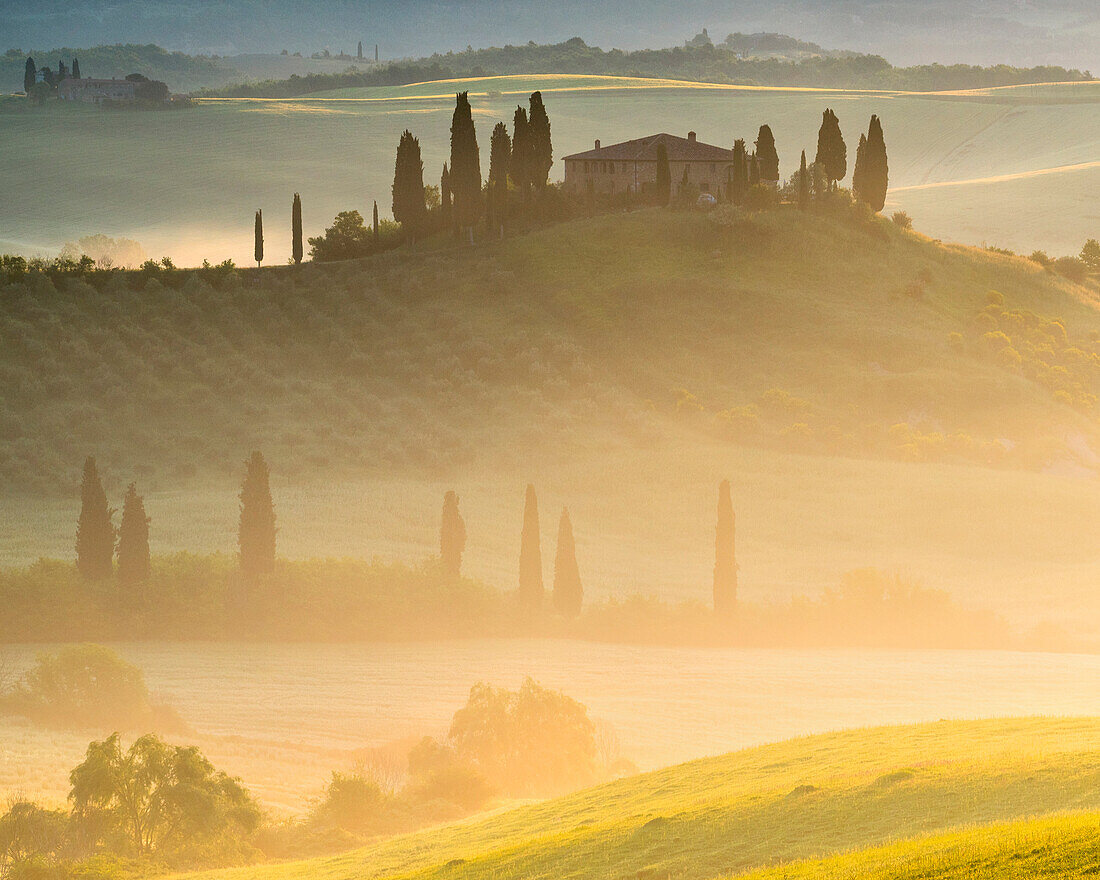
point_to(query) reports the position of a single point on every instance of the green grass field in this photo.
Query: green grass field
(186, 184)
(808, 798)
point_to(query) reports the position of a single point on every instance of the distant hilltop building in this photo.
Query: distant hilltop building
(96, 91)
(632, 166)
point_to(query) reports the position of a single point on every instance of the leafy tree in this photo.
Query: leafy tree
(766, 154)
(158, 799)
(296, 229)
(346, 239)
(256, 532)
(452, 537)
(31, 835)
(465, 167)
(95, 533)
(259, 254)
(568, 593)
(500, 154)
(530, 553)
(541, 148)
(30, 76)
(133, 541)
(725, 563)
(76, 69)
(663, 187)
(832, 154)
(739, 183)
(531, 742)
(1090, 255)
(520, 165)
(409, 208)
(803, 184)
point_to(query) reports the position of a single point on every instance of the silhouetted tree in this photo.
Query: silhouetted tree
(30, 76)
(256, 532)
(568, 594)
(409, 208)
(95, 533)
(76, 68)
(754, 170)
(1090, 255)
(859, 170)
(520, 165)
(62, 71)
(500, 154)
(465, 167)
(530, 553)
(542, 150)
(133, 542)
(359, 51)
(739, 184)
(725, 563)
(876, 179)
(663, 188)
(803, 184)
(452, 537)
(375, 230)
(767, 155)
(832, 154)
(296, 229)
(446, 213)
(259, 237)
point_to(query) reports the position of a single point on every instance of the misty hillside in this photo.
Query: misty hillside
(974, 31)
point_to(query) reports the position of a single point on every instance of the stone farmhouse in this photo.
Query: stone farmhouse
(96, 91)
(631, 167)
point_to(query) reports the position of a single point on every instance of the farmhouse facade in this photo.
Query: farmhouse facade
(631, 167)
(96, 91)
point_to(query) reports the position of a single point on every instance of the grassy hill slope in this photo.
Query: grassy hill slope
(716, 817)
(812, 361)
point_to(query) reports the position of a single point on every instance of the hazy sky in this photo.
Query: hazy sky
(1023, 32)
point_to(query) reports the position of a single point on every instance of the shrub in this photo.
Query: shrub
(1072, 268)
(1042, 258)
(351, 803)
(902, 220)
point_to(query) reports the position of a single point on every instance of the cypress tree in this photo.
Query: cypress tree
(803, 184)
(409, 208)
(133, 542)
(452, 537)
(725, 563)
(859, 172)
(876, 181)
(445, 209)
(375, 231)
(568, 594)
(30, 76)
(754, 170)
(259, 238)
(465, 167)
(359, 51)
(767, 155)
(95, 533)
(663, 187)
(256, 532)
(739, 185)
(520, 165)
(530, 554)
(296, 229)
(832, 154)
(500, 154)
(76, 68)
(541, 148)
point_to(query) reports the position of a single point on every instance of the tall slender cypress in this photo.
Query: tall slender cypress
(725, 562)
(76, 68)
(832, 154)
(739, 185)
(296, 229)
(465, 167)
(374, 227)
(530, 554)
(259, 252)
(803, 184)
(500, 154)
(133, 546)
(95, 533)
(876, 181)
(859, 172)
(541, 147)
(30, 76)
(409, 208)
(452, 537)
(256, 530)
(766, 154)
(446, 212)
(520, 165)
(568, 594)
(663, 187)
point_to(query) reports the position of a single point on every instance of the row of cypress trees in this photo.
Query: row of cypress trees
(30, 74)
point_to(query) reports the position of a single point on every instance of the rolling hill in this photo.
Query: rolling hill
(803, 799)
(849, 377)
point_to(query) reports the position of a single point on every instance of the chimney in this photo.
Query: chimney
(691, 137)
(597, 143)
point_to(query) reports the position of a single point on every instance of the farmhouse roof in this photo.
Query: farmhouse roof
(644, 149)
